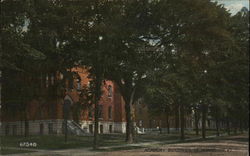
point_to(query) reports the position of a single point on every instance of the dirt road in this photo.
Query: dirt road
(228, 146)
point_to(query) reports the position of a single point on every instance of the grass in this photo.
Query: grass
(108, 140)
(5, 151)
(172, 136)
(156, 137)
(118, 148)
(58, 142)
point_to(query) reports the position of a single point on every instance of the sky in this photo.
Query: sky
(234, 5)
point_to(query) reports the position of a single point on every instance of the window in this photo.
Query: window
(52, 110)
(91, 128)
(63, 127)
(110, 128)
(140, 123)
(27, 127)
(14, 130)
(50, 127)
(101, 129)
(100, 111)
(41, 129)
(90, 113)
(110, 112)
(7, 129)
(109, 91)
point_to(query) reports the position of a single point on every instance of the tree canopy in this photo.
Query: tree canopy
(186, 54)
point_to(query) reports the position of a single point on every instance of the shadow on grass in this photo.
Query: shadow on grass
(235, 137)
(112, 149)
(179, 141)
(47, 142)
(238, 139)
(5, 151)
(53, 142)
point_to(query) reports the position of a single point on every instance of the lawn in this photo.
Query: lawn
(5, 151)
(57, 142)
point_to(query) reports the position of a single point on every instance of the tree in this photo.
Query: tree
(87, 37)
(17, 57)
(159, 99)
(238, 70)
(31, 52)
(132, 55)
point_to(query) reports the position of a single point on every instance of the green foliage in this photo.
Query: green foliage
(190, 53)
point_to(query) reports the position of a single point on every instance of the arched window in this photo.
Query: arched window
(100, 114)
(110, 112)
(90, 111)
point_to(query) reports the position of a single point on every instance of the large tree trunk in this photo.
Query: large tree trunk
(160, 127)
(204, 119)
(177, 118)
(246, 125)
(26, 126)
(21, 126)
(96, 103)
(65, 130)
(96, 129)
(235, 127)
(196, 122)
(241, 128)
(217, 123)
(182, 121)
(129, 118)
(228, 127)
(129, 125)
(167, 121)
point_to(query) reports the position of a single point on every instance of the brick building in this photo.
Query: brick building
(45, 116)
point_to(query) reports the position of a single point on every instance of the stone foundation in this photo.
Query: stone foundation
(105, 127)
(46, 127)
(35, 127)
